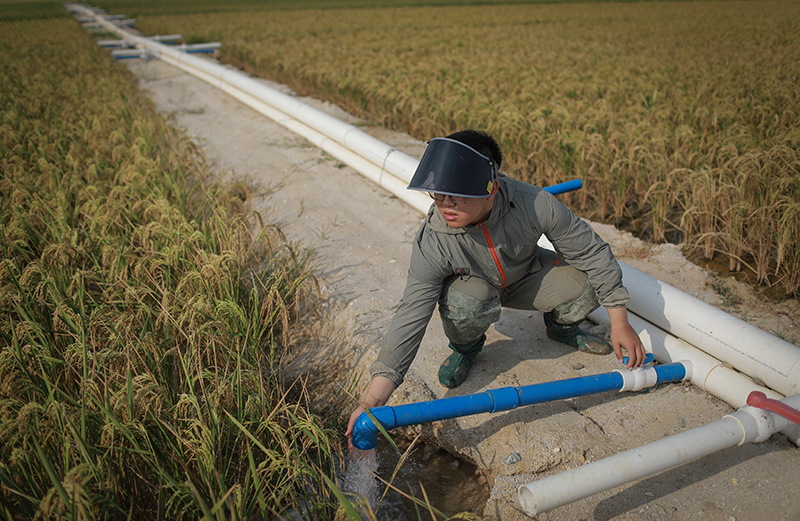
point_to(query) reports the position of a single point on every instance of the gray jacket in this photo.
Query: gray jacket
(502, 250)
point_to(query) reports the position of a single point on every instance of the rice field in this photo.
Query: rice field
(682, 118)
(145, 314)
(142, 323)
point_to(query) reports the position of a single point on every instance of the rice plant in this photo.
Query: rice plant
(143, 324)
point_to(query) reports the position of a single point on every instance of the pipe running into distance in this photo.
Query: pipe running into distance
(372, 158)
(746, 425)
(365, 431)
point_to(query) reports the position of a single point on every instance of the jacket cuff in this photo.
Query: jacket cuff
(380, 369)
(618, 297)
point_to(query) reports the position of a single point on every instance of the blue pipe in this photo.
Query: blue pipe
(566, 186)
(365, 433)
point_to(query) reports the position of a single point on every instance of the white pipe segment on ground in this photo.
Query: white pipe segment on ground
(383, 164)
(709, 329)
(747, 348)
(746, 425)
(708, 373)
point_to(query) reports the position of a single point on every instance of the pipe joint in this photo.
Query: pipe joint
(365, 432)
(638, 379)
(689, 368)
(757, 424)
(505, 399)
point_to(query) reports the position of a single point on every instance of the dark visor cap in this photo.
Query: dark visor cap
(453, 168)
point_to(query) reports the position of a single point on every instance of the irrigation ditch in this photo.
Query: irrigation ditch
(362, 237)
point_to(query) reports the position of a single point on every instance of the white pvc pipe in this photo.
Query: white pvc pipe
(114, 43)
(708, 373)
(746, 425)
(164, 37)
(716, 333)
(721, 335)
(315, 125)
(649, 295)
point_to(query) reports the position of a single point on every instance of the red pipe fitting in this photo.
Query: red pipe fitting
(760, 400)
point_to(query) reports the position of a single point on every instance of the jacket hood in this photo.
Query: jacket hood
(501, 205)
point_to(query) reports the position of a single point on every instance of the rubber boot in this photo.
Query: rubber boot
(574, 336)
(455, 368)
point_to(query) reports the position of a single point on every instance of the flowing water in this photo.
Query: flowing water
(451, 485)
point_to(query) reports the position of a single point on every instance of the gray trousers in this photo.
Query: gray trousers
(469, 305)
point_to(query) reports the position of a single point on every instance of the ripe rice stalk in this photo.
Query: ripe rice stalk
(140, 313)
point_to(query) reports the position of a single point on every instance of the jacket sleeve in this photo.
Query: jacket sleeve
(583, 249)
(402, 341)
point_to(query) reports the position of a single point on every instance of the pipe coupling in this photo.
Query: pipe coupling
(504, 399)
(757, 424)
(638, 379)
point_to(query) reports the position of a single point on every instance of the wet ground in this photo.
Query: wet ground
(452, 485)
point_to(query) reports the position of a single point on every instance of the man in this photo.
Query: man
(477, 252)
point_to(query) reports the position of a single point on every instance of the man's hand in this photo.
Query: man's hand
(623, 336)
(349, 432)
(378, 393)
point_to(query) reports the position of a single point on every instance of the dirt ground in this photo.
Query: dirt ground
(362, 238)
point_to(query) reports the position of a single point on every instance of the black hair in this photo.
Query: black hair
(482, 142)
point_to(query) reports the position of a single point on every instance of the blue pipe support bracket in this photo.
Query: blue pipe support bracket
(365, 433)
(567, 186)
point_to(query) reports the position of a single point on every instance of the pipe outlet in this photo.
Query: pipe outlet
(365, 432)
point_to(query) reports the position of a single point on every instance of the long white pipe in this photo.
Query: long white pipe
(746, 425)
(767, 357)
(747, 348)
(383, 164)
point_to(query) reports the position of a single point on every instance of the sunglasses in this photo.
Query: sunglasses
(440, 198)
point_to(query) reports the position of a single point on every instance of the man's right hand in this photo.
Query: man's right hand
(378, 392)
(349, 433)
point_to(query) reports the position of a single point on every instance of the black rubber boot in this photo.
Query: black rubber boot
(455, 368)
(574, 336)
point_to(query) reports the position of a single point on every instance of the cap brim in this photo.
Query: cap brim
(453, 168)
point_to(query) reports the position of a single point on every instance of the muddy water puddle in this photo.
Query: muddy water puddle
(451, 485)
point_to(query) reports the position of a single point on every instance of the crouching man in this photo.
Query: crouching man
(476, 252)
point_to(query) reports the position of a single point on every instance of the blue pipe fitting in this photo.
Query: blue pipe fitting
(505, 399)
(567, 186)
(365, 432)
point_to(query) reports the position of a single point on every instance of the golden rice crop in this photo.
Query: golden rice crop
(682, 119)
(142, 324)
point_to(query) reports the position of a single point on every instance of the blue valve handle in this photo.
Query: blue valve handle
(648, 359)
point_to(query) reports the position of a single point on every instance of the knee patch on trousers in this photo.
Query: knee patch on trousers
(577, 309)
(465, 318)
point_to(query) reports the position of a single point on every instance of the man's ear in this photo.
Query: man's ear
(495, 185)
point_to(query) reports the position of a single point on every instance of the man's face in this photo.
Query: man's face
(468, 210)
